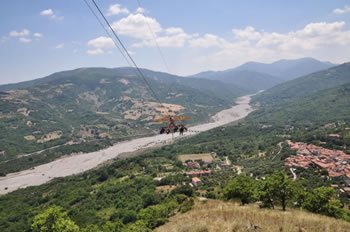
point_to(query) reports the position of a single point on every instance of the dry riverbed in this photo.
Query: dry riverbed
(82, 162)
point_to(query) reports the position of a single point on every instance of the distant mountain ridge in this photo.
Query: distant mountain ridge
(306, 85)
(250, 81)
(254, 76)
(288, 69)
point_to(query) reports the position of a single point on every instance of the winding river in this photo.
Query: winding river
(79, 163)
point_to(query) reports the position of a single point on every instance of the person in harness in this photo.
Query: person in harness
(172, 127)
(182, 129)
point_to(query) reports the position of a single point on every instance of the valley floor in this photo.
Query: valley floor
(75, 164)
(213, 215)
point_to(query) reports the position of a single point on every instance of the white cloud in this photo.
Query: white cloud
(116, 9)
(50, 14)
(141, 27)
(24, 32)
(100, 45)
(247, 33)
(38, 35)
(97, 51)
(322, 40)
(47, 12)
(321, 28)
(101, 42)
(174, 30)
(135, 25)
(177, 38)
(131, 52)
(24, 40)
(344, 10)
(206, 41)
(140, 10)
(59, 46)
(174, 40)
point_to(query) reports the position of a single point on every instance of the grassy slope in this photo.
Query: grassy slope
(224, 216)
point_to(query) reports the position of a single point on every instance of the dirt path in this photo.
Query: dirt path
(280, 146)
(293, 173)
(82, 162)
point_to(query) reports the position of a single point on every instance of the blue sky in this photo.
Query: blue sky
(39, 37)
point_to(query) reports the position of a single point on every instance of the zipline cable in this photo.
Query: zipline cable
(161, 54)
(128, 54)
(155, 39)
(107, 32)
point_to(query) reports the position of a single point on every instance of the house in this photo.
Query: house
(346, 190)
(192, 164)
(196, 181)
(199, 173)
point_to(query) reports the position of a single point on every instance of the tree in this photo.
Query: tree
(242, 187)
(54, 219)
(183, 189)
(323, 200)
(276, 188)
(138, 226)
(299, 193)
(103, 176)
(116, 226)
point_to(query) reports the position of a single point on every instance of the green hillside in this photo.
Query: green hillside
(90, 108)
(306, 85)
(315, 109)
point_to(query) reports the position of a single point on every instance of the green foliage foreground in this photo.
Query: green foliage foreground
(278, 189)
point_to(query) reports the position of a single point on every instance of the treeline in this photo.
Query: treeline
(278, 190)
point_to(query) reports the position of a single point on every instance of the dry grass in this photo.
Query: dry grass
(222, 216)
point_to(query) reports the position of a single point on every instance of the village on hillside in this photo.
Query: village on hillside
(335, 162)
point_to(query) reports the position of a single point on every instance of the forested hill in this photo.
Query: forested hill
(88, 108)
(306, 85)
(330, 105)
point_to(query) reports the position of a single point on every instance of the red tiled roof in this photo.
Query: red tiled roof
(198, 172)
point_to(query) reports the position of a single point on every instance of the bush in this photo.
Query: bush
(241, 187)
(323, 200)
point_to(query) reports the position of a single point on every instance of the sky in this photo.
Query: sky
(40, 37)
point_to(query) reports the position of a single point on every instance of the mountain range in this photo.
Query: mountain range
(254, 76)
